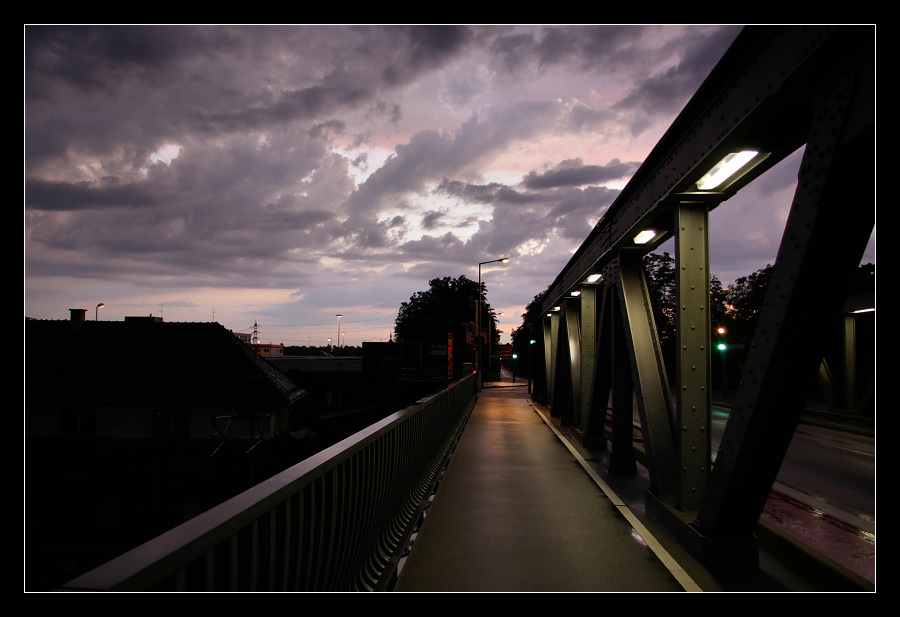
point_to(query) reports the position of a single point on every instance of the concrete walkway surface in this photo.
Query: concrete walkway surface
(516, 512)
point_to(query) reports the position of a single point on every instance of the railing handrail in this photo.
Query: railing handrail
(380, 477)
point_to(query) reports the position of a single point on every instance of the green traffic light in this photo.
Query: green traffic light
(722, 346)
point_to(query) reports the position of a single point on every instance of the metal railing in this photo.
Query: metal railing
(338, 521)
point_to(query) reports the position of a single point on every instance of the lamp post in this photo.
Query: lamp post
(478, 319)
(339, 329)
(97, 310)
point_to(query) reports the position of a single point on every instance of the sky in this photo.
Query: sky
(274, 177)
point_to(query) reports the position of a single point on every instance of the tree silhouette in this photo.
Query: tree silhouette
(447, 306)
(745, 300)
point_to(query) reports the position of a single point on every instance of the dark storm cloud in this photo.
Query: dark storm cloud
(590, 47)
(159, 83)
(100, 57)
(426, 47)
(667, 92)
(274, 156)
(432, 155)
(574, 172)
(492, 193)
(42, 195)
(534, 212)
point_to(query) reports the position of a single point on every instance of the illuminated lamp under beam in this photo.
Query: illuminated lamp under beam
(594, 278)
(645, 236)
(576, 293)
(725, 168)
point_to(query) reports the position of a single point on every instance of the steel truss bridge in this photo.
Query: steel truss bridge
(777, 89)
(340, 520)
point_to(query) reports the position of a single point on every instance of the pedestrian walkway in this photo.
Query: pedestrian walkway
(516, 512)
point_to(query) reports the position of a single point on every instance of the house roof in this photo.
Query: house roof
(146, 361)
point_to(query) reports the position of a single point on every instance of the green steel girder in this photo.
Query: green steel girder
(829, 224)
(776, 89)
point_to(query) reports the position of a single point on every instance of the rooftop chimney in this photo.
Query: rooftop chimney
(77, 315)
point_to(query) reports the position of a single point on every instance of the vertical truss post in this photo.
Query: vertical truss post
(648, 374)
(588, 328)
(692, 321)
(591, 416)
(551, 327)
(573, 340)
(537, 367)
(849, 350)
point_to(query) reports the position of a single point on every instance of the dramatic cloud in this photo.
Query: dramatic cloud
(283, 174)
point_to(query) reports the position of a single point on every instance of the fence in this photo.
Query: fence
(338, 521)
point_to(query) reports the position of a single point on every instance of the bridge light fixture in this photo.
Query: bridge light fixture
(594, 278)
(725, 169)
(645, 236)
(576, 293)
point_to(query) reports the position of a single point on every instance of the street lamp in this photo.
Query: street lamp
(478, 318)
(339, 329)
(97, 310)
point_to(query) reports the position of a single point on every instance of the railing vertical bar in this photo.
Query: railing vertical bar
(234, 560)
(304, 571)
(273, 526)
(254, 555)
(285, 543)
(211, 570)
